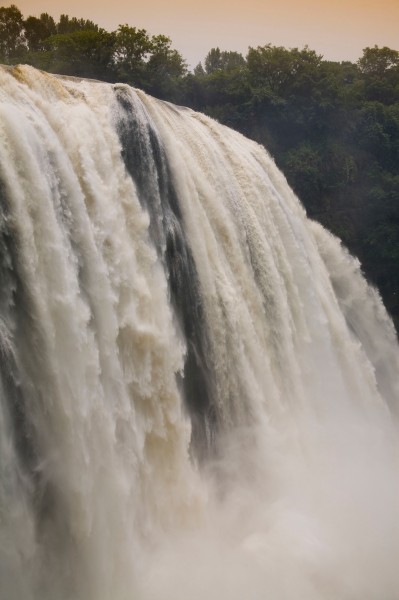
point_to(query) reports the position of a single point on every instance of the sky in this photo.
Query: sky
(337, 29)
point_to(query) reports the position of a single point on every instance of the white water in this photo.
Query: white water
(290, 487)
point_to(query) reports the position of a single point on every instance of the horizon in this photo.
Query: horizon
(338, 32)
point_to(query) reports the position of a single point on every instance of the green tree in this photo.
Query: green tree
(131, 51)
(377, 61)
(218, 60)
(276, 73)
(164, 68)
(199, 70)
(303, 165)
(380, 70)
(83, 53)
(37, 30)
(67, 24)
(12, 40)
(213, 61)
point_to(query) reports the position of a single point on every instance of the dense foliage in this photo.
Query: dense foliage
(332, 127)
(79, 47)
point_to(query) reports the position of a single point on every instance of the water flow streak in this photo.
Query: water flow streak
(198, 390)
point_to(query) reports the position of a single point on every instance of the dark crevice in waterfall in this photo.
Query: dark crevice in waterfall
(21, 357)
(147, 164)
(10, 300)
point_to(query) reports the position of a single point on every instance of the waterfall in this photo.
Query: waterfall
(198, 389)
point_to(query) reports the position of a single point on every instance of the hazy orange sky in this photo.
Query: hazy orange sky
(337, 29)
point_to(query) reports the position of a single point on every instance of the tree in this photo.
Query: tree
(37, 30)
(164, 67)
(303, 164)
(131, 50)
(380, 70)
(213, 61)
(199, 70)
(12, 41)
(70, 25)
(83, 53)
(276, 72)
(377, 61)
(218, 60)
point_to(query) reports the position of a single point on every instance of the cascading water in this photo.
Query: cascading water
(199, 391)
